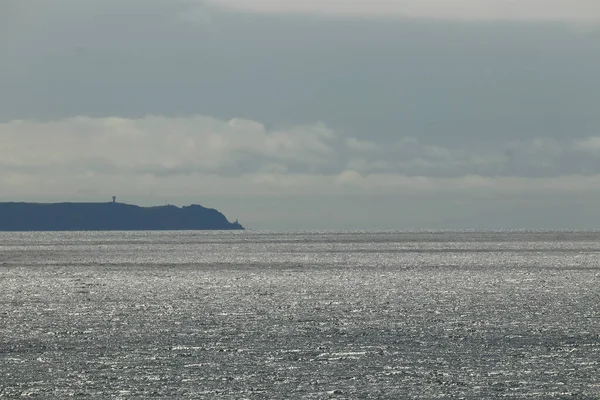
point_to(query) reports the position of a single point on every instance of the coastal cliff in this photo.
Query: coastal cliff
(108, 217)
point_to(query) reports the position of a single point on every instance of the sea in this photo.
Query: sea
(300, 315)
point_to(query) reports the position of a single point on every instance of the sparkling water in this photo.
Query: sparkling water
(313, 315)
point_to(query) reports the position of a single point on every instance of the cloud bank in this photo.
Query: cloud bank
(582, 11)
(201, 155)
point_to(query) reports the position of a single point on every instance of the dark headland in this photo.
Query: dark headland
(110, 216)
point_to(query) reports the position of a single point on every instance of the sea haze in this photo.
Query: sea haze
(300, 315)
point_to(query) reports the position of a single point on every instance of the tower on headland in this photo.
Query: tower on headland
(114, 199)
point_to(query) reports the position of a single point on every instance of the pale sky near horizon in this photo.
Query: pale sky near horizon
(330, 114)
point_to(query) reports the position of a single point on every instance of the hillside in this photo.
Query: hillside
(109, 216)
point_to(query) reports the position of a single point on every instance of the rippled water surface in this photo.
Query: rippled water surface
(367, 315)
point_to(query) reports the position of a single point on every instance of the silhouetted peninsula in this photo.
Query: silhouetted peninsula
(108, 217)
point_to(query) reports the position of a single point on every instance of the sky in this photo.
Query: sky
(289, 114)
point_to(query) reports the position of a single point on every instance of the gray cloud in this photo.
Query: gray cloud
(308, 159)
(158, 144)
(440, 82)
(554, 10)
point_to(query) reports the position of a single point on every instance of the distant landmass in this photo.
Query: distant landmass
(109, 216)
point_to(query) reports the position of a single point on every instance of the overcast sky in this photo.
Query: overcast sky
(289, 114)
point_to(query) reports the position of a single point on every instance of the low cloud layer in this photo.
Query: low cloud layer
(522, 10)
(200, 155)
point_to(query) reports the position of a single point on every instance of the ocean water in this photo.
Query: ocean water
(309, 315)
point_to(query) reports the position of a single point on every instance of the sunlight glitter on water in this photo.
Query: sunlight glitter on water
(304, 315)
